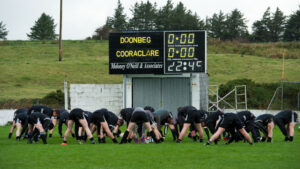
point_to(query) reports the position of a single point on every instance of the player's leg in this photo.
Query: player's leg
(216, 135)
(19, 126)
(30, 130)
(68, 131)
(246, 135)
(183, 131)
(126, 133)
(291, 130)
(54, 122)
(12, 129)
(42, 132)
(85, 126)
(270, 131)
(108, 132)
(199, 129)
(174, 131)
(152, 134)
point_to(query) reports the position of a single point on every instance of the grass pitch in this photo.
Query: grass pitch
(188, 154)
(30, 69)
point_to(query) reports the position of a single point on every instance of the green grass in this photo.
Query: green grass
(188, 154)
(30, 69)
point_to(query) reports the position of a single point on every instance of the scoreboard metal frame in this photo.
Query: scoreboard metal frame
(182, 51)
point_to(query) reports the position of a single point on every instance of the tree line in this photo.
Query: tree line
(272, 27)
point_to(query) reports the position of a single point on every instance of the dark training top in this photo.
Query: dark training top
(214, 117)
(42, 109)
(264, 119)
(19, 111)
(100, 116)
(161, 117)
(126, 114)
(22, 118)
(285, 117)
(37, 117)
(112, 118)
(182, 113)
(246, 117)
(63, 117)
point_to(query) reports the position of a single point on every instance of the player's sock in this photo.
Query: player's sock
(153, 136)
(9, 135)
(92, 140)
(99, 140)
(124, 138)
(208, 143)
(43, 136)
(207, 133)
(29, 138)
(174, 134)
(18, 138)
(115, 140)
(286, 138)
(269, 139)
(291, 138)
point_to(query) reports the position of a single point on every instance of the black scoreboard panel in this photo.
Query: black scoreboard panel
(184, 52)
(136, 53)
(164, 52)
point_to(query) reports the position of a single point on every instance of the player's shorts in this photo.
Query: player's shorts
(193, 117)
(139, 117)
(76, 114)
(46, 124)
(294, 117)
(231, 120)
(98, 117)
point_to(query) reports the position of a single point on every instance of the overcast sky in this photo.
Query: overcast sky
(82, 17)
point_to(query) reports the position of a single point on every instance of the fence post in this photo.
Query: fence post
(66, 95)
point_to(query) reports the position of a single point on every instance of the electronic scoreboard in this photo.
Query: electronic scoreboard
(163, 52)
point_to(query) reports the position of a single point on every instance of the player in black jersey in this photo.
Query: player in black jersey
(286, 118)
(230, 123)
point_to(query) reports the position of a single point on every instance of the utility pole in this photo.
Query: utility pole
(60, 30)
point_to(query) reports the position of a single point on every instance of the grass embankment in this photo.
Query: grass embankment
(31, 69)
(188, 154)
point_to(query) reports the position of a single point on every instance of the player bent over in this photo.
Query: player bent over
(247, 118)
(289, 118)
(99, 118)
(193, 116)
(21, 122)
(42, 123)
(138, 116)
(18, 111)
(230, 122)
(76, 115)
(161, 117)
(265, 123)
(63, 119)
